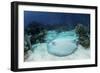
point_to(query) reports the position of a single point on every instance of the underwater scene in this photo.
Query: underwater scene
(55, 36)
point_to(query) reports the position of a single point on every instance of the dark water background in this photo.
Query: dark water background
(54, 18)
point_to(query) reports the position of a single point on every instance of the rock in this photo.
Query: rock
(27, 43)
(27, 55)
(80, 30)
(84, 38)
(85, 42)
(36, 31)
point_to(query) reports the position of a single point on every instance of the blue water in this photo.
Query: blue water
(54, 18)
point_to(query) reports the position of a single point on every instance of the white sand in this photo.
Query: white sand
(41, 54)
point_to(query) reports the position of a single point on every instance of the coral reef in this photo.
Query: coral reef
(27, 46)
(83, 33)
(27, 43)
(37, 32)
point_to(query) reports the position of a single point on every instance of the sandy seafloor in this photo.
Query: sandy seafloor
(40, 52)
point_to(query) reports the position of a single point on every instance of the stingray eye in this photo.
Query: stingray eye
(53, 43)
